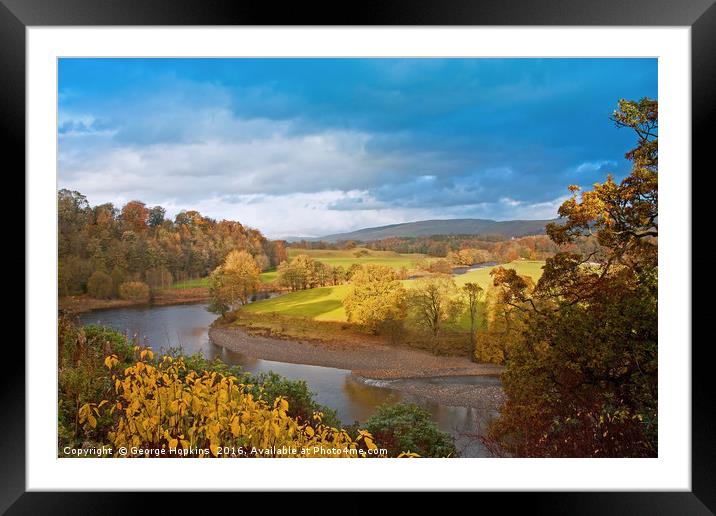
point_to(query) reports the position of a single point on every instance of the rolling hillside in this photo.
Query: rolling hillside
(507, 228)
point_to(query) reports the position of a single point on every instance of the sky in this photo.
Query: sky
(310, 147)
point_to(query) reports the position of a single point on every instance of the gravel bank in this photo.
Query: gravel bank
(363, 359)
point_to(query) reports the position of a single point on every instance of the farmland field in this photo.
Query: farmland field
(482, 276)
(348, 257)
(325, 303)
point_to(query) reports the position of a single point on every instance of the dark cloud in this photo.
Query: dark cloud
(380, 137)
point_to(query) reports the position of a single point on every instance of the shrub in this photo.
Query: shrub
(82, 376)
(267, 386)
(134, 291)
(408, 427)
(301, 404)
(158, 405)
(99, 285)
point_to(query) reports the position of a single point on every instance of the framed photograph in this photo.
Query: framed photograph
(423, 239)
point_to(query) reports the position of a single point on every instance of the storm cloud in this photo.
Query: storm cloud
(316, 146)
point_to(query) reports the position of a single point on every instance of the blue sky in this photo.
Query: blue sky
(315, 146)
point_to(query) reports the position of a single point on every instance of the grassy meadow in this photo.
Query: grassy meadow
(347, 257)
(265, 277)
(482, 276)
(325, 303)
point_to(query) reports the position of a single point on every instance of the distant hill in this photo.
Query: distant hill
(506, 228)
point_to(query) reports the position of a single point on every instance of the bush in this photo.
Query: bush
(408, 427)
(134, 291)
(82, 375)
(267, 386)
(301, 402)
(216, 413)
(99, 285)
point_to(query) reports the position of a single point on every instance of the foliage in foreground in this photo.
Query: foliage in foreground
(196, 402)
(406, 426)
(158, 407)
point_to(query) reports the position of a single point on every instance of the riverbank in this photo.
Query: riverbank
(365, 359)
(84, 303)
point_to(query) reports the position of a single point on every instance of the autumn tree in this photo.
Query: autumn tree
(473, 295)
(233, 282)
(504, 326)
(583, 379)
(376, 299)
(434, 303)
(135, 216)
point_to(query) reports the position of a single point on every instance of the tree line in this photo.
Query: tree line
(494, 248)
(101, 247)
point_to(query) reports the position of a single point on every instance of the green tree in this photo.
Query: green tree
(582, 381)
(156, 216)
(376, 299)
(99, 285)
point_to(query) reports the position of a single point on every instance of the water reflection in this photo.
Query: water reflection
(353, 398)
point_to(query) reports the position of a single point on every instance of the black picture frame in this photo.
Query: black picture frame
(700, 15)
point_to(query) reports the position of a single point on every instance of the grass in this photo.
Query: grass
(320, 304)
(268, 276)
(482, 276)
(191, 283)
(325, 303)
(348, 257)
(265, 277)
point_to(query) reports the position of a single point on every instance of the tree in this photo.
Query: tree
(235, 281)
(117, 279)
(99, 285)
(435, 303)
(156, 216)
(582, 381)
(135, 216)
(504, 327)
(473, 295)
(376, 299)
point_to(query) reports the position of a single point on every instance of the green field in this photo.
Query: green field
(347, 257)
(268, 276)
(264, 277)
(482, 276)
(321, 304)
(325, 303)
(192, 283)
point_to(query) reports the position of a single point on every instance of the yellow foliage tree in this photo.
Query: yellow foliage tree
(376, 299)
(235, 281)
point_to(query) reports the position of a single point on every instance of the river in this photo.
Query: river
(354, 398)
